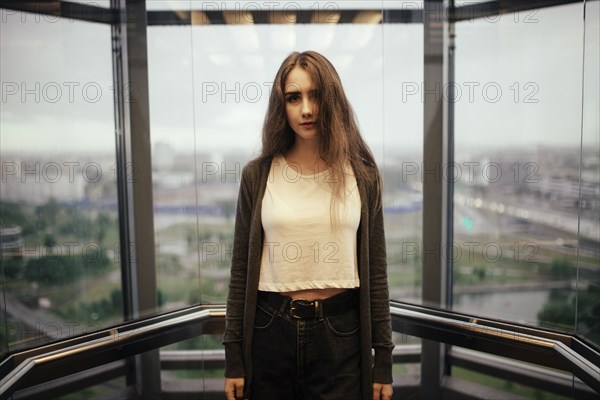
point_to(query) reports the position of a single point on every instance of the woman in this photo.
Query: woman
(308, 296)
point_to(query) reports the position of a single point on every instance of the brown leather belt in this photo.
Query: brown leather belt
(307, 309)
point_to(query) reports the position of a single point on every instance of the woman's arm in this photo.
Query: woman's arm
(381, 327)
(232, 338)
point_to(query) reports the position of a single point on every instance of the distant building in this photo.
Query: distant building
(566, 192)
(11, 243)
(65, 179)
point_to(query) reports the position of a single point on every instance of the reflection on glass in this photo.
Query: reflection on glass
(114, 388)
(90, 3)
(525, 226)
(58, 200)
(500, 388)
(197, 372)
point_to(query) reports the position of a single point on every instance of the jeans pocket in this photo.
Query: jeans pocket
(263, 318)
(345, 324)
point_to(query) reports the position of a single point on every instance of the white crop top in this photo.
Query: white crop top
(301, 250)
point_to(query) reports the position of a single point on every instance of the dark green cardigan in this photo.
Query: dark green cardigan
(375, 320)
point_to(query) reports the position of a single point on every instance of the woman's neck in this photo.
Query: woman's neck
(304, 156)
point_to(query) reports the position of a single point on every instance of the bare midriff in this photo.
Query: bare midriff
(314, 294)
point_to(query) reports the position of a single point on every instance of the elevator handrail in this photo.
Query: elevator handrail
(535, 345)
(113, 339)
(539, 346)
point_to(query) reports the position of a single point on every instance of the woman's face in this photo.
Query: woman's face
(301, 104)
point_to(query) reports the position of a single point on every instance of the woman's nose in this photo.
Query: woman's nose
(306, 108)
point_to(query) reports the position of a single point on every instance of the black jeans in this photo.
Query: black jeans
(312, 359)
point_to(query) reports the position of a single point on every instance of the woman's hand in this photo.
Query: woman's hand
(234, 388)
(382, 391)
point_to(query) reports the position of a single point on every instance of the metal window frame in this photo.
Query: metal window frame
(134, 171)
(437, 232)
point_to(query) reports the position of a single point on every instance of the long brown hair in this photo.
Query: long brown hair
(340, 140)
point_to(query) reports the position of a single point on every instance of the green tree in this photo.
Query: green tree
(61, 269)
(102, 225)
(11, 266)
(560, 268)
(49, 241)
(557, 314)
(46, 214)
(11, 214)
(77, 224)
(562, 314)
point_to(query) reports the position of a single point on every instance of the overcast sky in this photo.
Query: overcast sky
(519, 76)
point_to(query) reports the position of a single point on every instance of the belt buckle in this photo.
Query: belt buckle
(315, 304)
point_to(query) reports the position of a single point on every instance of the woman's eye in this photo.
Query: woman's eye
(292, 98)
